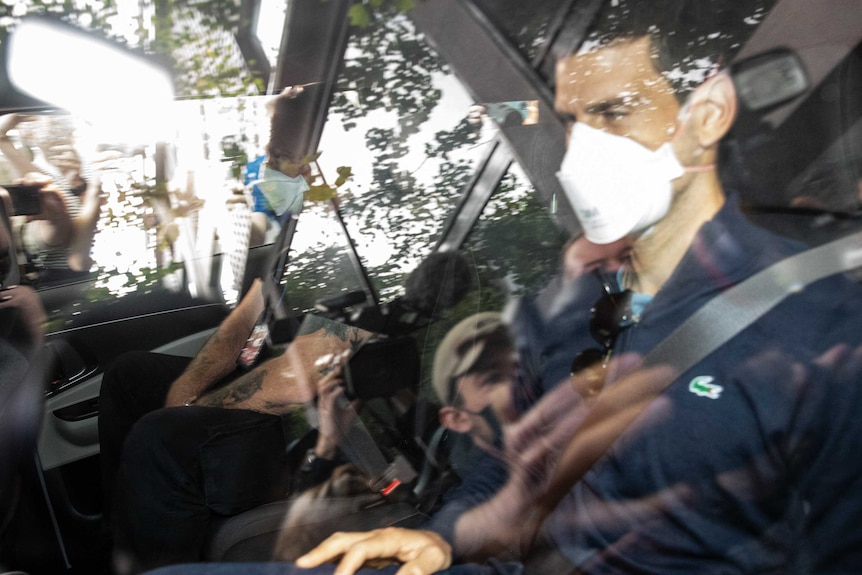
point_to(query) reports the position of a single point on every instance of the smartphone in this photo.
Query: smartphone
(25, 199)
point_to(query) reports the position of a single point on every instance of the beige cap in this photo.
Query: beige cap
(461, 348)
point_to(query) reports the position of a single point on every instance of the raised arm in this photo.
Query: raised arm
(84, 225)
(218, 356)
(52, 227)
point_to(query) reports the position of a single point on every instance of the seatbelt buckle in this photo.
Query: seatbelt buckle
(398, 472)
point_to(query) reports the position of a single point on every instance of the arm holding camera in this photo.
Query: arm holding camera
(292, 377)
(60, 224)
(52, 227)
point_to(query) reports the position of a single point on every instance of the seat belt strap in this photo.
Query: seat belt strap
(361, 449)
(732, 311)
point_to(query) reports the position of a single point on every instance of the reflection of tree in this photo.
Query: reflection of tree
(144, 205)
(363, 11)
(94, 16)
(389, 67)
(319, 274)
(515, 247)
(195, 37)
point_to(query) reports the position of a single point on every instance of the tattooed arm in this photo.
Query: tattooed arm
(295, 376)
(218, 356)
(266, 389)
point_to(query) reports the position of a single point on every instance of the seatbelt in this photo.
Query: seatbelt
(698, 336)
(361, 449)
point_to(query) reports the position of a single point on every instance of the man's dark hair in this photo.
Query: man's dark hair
(691, 39)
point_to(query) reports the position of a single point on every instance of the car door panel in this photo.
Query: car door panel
(70, 425)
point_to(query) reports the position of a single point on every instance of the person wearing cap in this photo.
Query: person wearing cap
(474, 376)
(474, 369)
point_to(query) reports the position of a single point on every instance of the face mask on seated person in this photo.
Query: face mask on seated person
(284, 193)
(616, 186)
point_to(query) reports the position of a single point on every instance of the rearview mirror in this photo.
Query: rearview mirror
(768, 80)
(515, 113)
(91, 77)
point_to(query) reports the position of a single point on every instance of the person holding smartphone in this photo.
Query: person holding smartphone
(57, 230)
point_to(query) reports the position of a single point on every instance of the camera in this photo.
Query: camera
(26, 200)
(380, 368)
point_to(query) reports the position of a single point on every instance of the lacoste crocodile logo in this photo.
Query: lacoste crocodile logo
(702, 385)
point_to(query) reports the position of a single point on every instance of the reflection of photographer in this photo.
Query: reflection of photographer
(55, 228)
(22, 316)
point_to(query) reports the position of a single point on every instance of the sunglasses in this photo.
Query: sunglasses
(609, 317)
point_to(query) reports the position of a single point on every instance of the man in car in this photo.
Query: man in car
(473, 376)
(255, 400)
(474, 368)
(180, 467)
(220, 445)
(748, 462)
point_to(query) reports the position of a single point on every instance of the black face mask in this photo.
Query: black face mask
(496, 427)
(493, 421)
(464, 452)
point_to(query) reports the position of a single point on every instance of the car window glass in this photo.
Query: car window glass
(164, 210)
(514, 249)
(515, 245)
(399, 120)
(525, 24)
(128, 220)
(320, 265)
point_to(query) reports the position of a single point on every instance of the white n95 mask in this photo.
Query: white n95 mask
(283, 193)
(616, 186)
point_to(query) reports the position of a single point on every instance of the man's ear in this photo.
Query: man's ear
(455, 420)
(714, 107)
